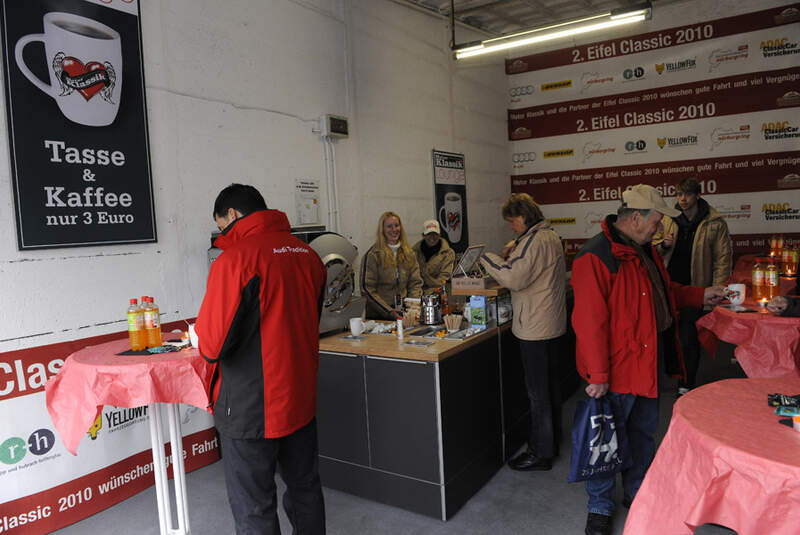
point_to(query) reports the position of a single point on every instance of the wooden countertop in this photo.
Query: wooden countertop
(387, 345)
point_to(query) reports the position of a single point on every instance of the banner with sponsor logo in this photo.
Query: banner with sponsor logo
(718, 100)
(42, 486)
(450, 197)
(77, 124)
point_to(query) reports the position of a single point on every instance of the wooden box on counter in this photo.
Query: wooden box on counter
(464, 285)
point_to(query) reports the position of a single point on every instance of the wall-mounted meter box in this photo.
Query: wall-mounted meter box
(333, 126)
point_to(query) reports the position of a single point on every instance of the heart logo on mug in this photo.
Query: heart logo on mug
(87, 79)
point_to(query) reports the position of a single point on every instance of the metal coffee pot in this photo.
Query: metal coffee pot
(431, 311)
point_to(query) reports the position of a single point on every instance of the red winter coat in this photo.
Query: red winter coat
(260, 321)
(614, 319)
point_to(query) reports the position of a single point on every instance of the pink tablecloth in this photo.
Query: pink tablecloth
(766, 345)
(725, 460)
(97, 376)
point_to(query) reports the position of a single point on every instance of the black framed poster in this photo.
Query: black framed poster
(77, 122)
(450, 197)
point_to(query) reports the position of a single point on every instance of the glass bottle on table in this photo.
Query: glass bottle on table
(771, 279)
(758, 279)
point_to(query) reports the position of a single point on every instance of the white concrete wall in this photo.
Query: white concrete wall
(384, 65)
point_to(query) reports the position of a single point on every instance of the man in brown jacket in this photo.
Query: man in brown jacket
(435, 256)
(696, 248)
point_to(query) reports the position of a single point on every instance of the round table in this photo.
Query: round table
(724, 460)
(766, 345)
(96, 376)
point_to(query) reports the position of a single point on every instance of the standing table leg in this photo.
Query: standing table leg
(178, 471)
(160, 470)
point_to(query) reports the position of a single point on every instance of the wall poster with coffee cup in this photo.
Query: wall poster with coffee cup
(77, 123)
(450, 195)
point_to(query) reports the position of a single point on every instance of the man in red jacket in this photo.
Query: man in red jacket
(624, 321)
(260, 322)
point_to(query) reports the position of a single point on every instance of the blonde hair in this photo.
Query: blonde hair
(383, 246)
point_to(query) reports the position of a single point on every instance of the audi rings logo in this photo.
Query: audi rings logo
(523, 157)
(521, 91)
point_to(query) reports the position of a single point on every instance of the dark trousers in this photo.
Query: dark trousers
(250, 480)
(540, 363)
(687, 332)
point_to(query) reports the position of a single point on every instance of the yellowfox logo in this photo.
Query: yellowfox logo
(96, 426)
(659, 68)
(661, 142)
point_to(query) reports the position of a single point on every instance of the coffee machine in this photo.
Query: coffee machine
(339, 257)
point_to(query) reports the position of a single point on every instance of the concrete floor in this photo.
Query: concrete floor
(511, 502)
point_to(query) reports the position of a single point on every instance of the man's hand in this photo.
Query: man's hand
(508, 249)
(777, 305)
(597, 391)
(713, 295)
(669, 240)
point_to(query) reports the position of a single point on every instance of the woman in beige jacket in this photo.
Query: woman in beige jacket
(389, 272)
(533, 268)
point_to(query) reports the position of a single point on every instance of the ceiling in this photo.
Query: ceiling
(502, 17)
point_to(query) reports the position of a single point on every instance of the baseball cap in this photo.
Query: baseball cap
(431, 225)
(644, 197)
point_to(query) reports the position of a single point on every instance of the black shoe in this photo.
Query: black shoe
(526, 461)
(598, 524)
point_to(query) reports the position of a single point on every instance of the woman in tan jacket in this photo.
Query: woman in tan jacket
(533, 268)
(390, 271)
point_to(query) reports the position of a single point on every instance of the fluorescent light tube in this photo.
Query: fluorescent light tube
(519, 39)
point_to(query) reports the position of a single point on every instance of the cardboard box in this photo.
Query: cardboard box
(470, 283)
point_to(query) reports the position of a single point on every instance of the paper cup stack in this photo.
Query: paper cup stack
(452, 322)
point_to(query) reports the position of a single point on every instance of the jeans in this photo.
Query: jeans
(641, 419)
(540, 363)
(250, 480)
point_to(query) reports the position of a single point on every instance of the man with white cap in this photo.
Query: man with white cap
(624, 320)
(436, 258)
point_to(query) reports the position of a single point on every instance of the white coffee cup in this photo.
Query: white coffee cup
(193, 336)
(739, 290)
(84, 59)
(450, 216)
(356, 326)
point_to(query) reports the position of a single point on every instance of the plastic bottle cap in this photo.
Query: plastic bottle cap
(134, 302)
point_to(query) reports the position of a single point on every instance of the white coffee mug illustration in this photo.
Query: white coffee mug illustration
(84, 58)
(450, 216)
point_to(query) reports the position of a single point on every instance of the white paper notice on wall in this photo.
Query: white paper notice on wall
(306, 200)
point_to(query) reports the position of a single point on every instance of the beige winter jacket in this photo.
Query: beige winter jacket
(436, 271)
(711, 250)
(384, 277)
(536, 275)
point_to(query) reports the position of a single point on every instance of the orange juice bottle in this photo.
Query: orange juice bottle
(136, 333)
(786, 260)
(771, 279)
(152, 323)
(758, 280)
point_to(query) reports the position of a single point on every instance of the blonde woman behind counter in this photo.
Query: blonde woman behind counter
(390, 271)
(533, 268)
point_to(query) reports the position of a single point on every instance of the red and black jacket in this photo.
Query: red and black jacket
(614, 318)
(260, 322)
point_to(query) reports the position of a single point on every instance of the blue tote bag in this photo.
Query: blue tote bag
(599, 442)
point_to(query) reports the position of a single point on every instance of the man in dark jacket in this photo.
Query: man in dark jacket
(260, 322)
(624, 321)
